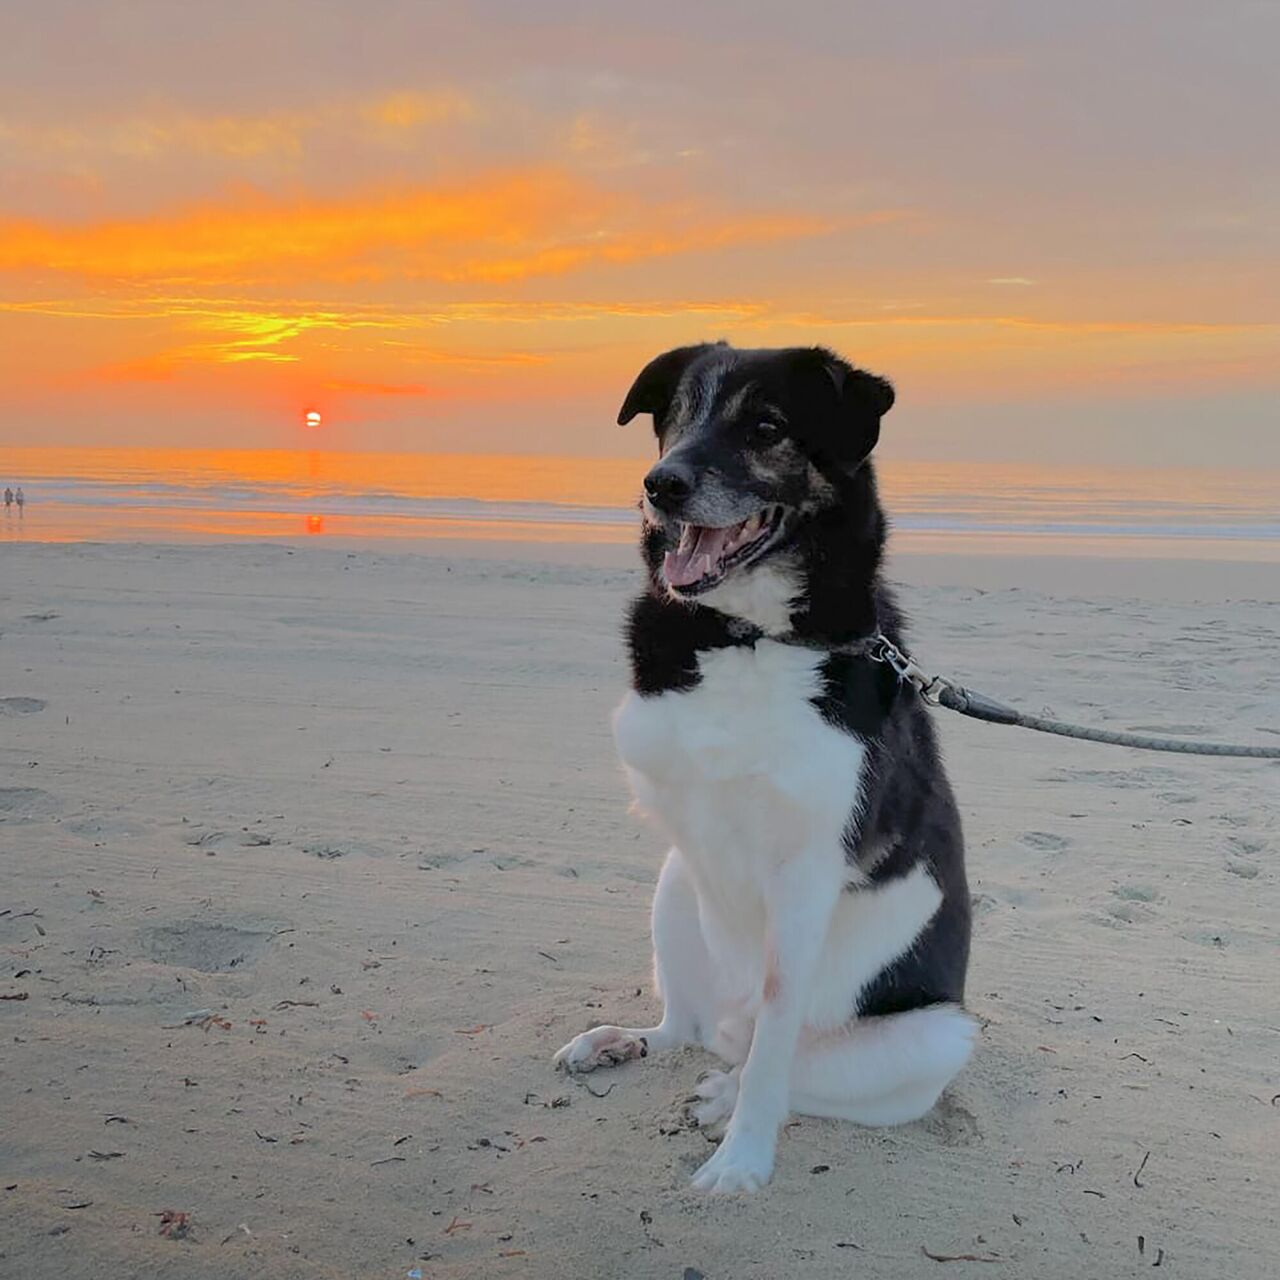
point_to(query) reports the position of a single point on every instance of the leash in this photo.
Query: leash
(938, 691)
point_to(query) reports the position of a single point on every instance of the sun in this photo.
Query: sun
(312, 418)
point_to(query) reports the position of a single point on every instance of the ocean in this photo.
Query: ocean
(150, 495)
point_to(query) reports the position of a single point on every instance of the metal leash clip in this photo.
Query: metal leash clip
(929, 687)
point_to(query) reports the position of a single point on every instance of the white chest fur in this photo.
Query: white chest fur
(749, 716)
(742, 771)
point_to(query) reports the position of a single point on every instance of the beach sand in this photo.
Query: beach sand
(313, 856)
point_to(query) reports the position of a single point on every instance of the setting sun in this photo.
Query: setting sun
(312, 418)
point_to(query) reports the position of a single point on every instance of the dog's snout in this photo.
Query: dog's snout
(668, 485)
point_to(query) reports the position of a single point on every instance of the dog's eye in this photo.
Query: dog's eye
(765, 432)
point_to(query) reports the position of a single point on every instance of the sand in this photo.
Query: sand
(312, 857)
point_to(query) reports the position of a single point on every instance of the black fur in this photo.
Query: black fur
(665, 643)
(907, 815)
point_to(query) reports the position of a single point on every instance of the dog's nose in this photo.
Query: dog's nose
(668, 485)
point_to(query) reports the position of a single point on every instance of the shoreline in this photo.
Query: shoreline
(944, 508)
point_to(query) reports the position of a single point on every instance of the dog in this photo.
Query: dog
(811, 920)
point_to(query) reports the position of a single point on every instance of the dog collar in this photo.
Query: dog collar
(876, 646)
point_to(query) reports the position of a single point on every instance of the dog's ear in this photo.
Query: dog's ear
(653, 389)
(843, 406)
(874, 392)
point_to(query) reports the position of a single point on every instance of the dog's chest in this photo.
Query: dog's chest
(742, 769)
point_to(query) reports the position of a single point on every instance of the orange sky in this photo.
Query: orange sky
(1056, 231)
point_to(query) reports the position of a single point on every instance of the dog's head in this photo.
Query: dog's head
(752, 445)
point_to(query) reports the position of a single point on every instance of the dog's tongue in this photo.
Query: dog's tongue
(696, 556)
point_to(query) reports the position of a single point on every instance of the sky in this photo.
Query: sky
(464, 228)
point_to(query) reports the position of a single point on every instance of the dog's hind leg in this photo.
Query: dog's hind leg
(879, 1071)
(682, 974)
(883, 1071)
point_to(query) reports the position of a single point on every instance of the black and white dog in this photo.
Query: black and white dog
(811, 921)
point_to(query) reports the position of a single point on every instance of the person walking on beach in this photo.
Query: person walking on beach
(8, 497)
(20, 498)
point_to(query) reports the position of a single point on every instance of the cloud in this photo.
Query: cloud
(496, 343)
(495, 228)
(637, 246)
(356, 387)
(241, 311)
(411, 109)
(367, 341)
(282, 134)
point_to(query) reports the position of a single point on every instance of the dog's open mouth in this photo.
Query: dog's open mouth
(705, 555)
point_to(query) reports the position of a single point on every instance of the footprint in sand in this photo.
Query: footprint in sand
(340, 847)
(436, 861)
(1231, 819)
(1045, 840)
(1125, 912)
(105, 828)
(21, 706)
(1245, 870)
(216, 841)
(1135, 893)
(953, 1123)
(25, 802)
(1245, 845)
(325, 852)
(1217, 939)
(1134, 904)
(206, 947)
(510, 862)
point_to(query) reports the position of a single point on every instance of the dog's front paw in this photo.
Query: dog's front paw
(714, 1099)
(741, 1164)
(601, 1047)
